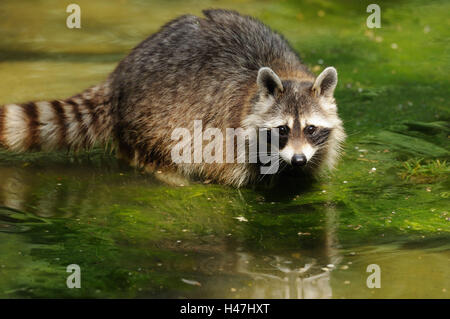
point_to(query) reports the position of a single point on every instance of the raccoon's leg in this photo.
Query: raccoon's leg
(124, 152)
(75, 123)
(141, 158)
(167, 175)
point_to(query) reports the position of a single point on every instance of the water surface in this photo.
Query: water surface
(136, 237)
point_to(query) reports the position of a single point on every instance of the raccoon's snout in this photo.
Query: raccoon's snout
(298, 160)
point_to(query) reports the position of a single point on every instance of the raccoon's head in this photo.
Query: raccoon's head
(305, 113)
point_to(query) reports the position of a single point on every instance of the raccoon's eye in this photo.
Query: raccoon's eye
(283, 130)
(310, 129)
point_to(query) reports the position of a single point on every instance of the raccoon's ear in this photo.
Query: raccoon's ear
(326, 82)
(268, 81)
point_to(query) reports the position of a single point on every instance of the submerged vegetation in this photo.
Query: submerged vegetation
(387, 202)
(425, 171)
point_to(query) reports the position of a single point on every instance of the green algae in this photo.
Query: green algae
(134, 237)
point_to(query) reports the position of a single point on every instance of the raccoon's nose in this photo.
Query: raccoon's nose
(298, 160)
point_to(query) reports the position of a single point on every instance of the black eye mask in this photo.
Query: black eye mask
(319, 137)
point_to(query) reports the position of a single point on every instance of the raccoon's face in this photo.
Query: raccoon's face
(305, 114)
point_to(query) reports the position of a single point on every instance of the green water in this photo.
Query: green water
(133, 236)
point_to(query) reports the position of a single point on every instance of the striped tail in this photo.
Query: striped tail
(76, 123)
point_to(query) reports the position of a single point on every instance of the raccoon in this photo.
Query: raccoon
(224, 69)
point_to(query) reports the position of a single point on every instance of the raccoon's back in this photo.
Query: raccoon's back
(201, 60)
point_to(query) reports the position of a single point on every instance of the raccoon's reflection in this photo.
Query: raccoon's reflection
(30, 191)
(281, 278)
(274, 274)
(13, 189)
(293, 283)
